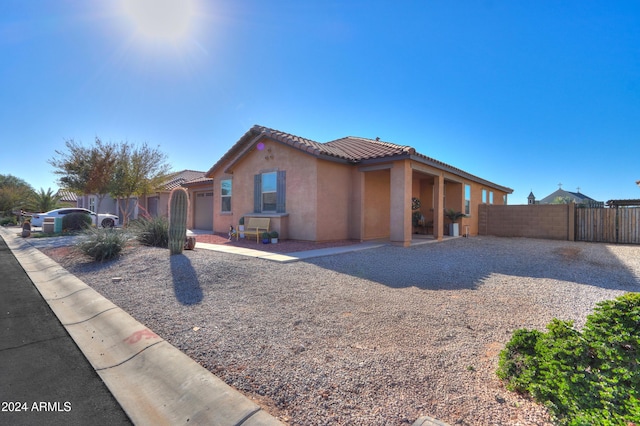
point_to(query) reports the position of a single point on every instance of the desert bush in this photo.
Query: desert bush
(76, 221)
(9, 220)
(588, 377)
(103, 243)
(152, 231)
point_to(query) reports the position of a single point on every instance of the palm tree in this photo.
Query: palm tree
(45, 201)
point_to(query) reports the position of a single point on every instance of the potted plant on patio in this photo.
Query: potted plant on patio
(454, 216)
(266, 237)
(417, 219)
(274, 237)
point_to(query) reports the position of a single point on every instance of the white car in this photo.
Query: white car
(106, 220)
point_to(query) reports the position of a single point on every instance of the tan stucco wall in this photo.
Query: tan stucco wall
(334, 204)
(301, 189)
(356, 201)
(377, 204)
(401, 191)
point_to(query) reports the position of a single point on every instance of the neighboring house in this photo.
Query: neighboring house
(201, 203)
(157, 204)
(566, 196)
(350, 188)
(107, 205)
(67, 198)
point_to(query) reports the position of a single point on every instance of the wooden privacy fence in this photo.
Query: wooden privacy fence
(608, 225)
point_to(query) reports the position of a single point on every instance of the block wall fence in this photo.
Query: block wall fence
(548, 221)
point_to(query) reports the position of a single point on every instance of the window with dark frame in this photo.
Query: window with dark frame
(270, 192)
(225, 195)
(467, 199)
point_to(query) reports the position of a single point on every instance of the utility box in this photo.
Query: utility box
(48, 225)
(57, 225)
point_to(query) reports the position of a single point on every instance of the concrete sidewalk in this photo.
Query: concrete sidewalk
(151, 380)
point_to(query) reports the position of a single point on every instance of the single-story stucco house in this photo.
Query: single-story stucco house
(157, 203)
(350, 188)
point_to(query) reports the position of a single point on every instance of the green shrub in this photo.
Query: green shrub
(103, 243)
(151, 231)
(584, 378)
(9, 220)
(76, 221)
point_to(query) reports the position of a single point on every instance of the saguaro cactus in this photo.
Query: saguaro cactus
(178, 205)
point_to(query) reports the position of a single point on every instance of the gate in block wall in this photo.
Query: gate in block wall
(620, 223)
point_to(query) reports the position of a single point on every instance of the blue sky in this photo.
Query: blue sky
(526, 94)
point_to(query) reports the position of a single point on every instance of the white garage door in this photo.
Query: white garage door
(204, 211)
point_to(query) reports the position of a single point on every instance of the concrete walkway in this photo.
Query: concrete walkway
(303, 255)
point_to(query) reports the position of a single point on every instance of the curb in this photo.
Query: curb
(153, 381)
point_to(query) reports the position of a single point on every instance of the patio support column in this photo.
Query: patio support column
(438, 207)
(400, 215)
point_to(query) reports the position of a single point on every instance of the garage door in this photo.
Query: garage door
(204, 211)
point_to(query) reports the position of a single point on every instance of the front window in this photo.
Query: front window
(92, 204)
(490, 197)
(484, 196)
(467, 199)
(225, 187)
(269, 191)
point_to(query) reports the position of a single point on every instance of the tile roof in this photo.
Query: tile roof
(197, 181)
(66, 195)
(358, 149)
(350, 149)
(177, 179)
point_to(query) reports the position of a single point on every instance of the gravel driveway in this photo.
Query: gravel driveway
(377, 337)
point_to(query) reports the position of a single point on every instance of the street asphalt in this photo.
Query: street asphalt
(44, 377)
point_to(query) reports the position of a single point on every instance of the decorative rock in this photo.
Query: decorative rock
(190, 243)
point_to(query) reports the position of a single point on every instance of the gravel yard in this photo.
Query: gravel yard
(376, 337)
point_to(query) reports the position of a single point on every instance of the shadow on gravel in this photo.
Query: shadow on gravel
(185, 280)
(464, 263)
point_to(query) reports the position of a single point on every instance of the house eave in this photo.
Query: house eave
(458, 172)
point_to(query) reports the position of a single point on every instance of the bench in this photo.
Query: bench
(255, 225)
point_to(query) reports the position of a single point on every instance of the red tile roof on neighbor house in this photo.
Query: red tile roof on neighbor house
(177, 179)
(350, 149)
(198, 181)
(67, 196)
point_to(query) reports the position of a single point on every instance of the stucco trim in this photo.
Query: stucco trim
(242, 153)
(458, 172)
(375, 168)
(266, 214)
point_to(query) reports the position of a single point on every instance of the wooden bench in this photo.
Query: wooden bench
(255, 225)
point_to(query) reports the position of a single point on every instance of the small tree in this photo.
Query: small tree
(453, 215)
(86, 170)
(138, 171)
(15, 194)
